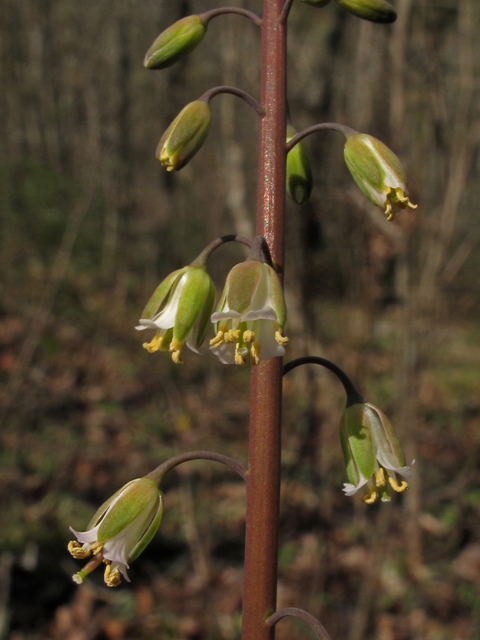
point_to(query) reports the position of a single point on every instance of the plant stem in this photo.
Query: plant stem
(263, 477)
(159, 473)
(323, 126)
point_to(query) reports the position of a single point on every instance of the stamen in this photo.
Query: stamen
(232, 336)
(78, 551)
(389, 211)
(255, 352)
(399, 488)
(380, 477)
(175, 349)
(248, 336)
(217, 340)
(371, 496)
(154, 345)
(239, 359)
(281, 339)
(112, 576)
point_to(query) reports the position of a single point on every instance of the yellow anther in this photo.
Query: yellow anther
(371, 496)
(112, 576)
(280, 339)
(175, 349)
(154, 345)
(380, 477)
(399, 488)
(389, 211)
(239, 359)
(248, 336)
(232, 335)
(217, 340)
(77, 550)
(255, 352)
(96, 547)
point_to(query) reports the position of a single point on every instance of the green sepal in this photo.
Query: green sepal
(149, 533)
(277, 293)
(388, 445)
(97, 516)
(160, 294)
(360, 439)
(298, 171)
(175, 43)
(373, 10)
(205, 315)
(242, 282)
(352, 470)
(134, 498)
(195, 292)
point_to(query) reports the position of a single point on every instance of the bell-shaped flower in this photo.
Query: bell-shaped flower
(372, 453)
(179, 311)
(250, 316)
(119, 531)
(176, 42)
(372, 10)
(184, 136)
(378, 173)
(298, 170)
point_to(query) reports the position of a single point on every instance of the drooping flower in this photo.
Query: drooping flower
(378, 173)
(176, 42)
(184, 136)
(250, 316)
(372, 453)
(179, 311)
(119, 531)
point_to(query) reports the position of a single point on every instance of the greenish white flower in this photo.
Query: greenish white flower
(119, 531)
(179, 311)
(184, 136)
(373, 10)
(175, 43)
(250, 316)
(372, 453)
(378, 173)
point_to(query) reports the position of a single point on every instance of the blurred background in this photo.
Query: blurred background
(90, 223)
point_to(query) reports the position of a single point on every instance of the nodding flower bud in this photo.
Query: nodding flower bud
(179, 311)
(184, 136)
(119, 531)
(250, 316)
(175, 43)
(317, 3)
(378, 173)
(372, 453)
(373, 10)
(298, 171)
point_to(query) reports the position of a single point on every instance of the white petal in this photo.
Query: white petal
(166, 318)
(406, 472)
(146, 324)
(86, 537)
(225, 352)
(122, 568)
(266, 313)
(265, 339)
(225, 315)
(351, 489)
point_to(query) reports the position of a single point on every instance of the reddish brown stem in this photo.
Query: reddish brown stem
(263, 478)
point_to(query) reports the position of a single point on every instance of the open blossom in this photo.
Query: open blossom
(119, 531)
(179, 311)
(378, 173)
(372, 453)
(250, 316)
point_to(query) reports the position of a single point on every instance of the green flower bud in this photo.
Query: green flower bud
(120, 530)
(184, 136)
(378, 173)
(179, 311)
(373, 10)
(175, 43)
(250, 316)
(317, 3)
(371, 448)
(299, 171)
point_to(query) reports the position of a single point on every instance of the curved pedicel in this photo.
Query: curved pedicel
(316, 626)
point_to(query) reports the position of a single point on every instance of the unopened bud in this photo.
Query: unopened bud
(373, 10)
(184, 136)
(299, 172)
(175, 43)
